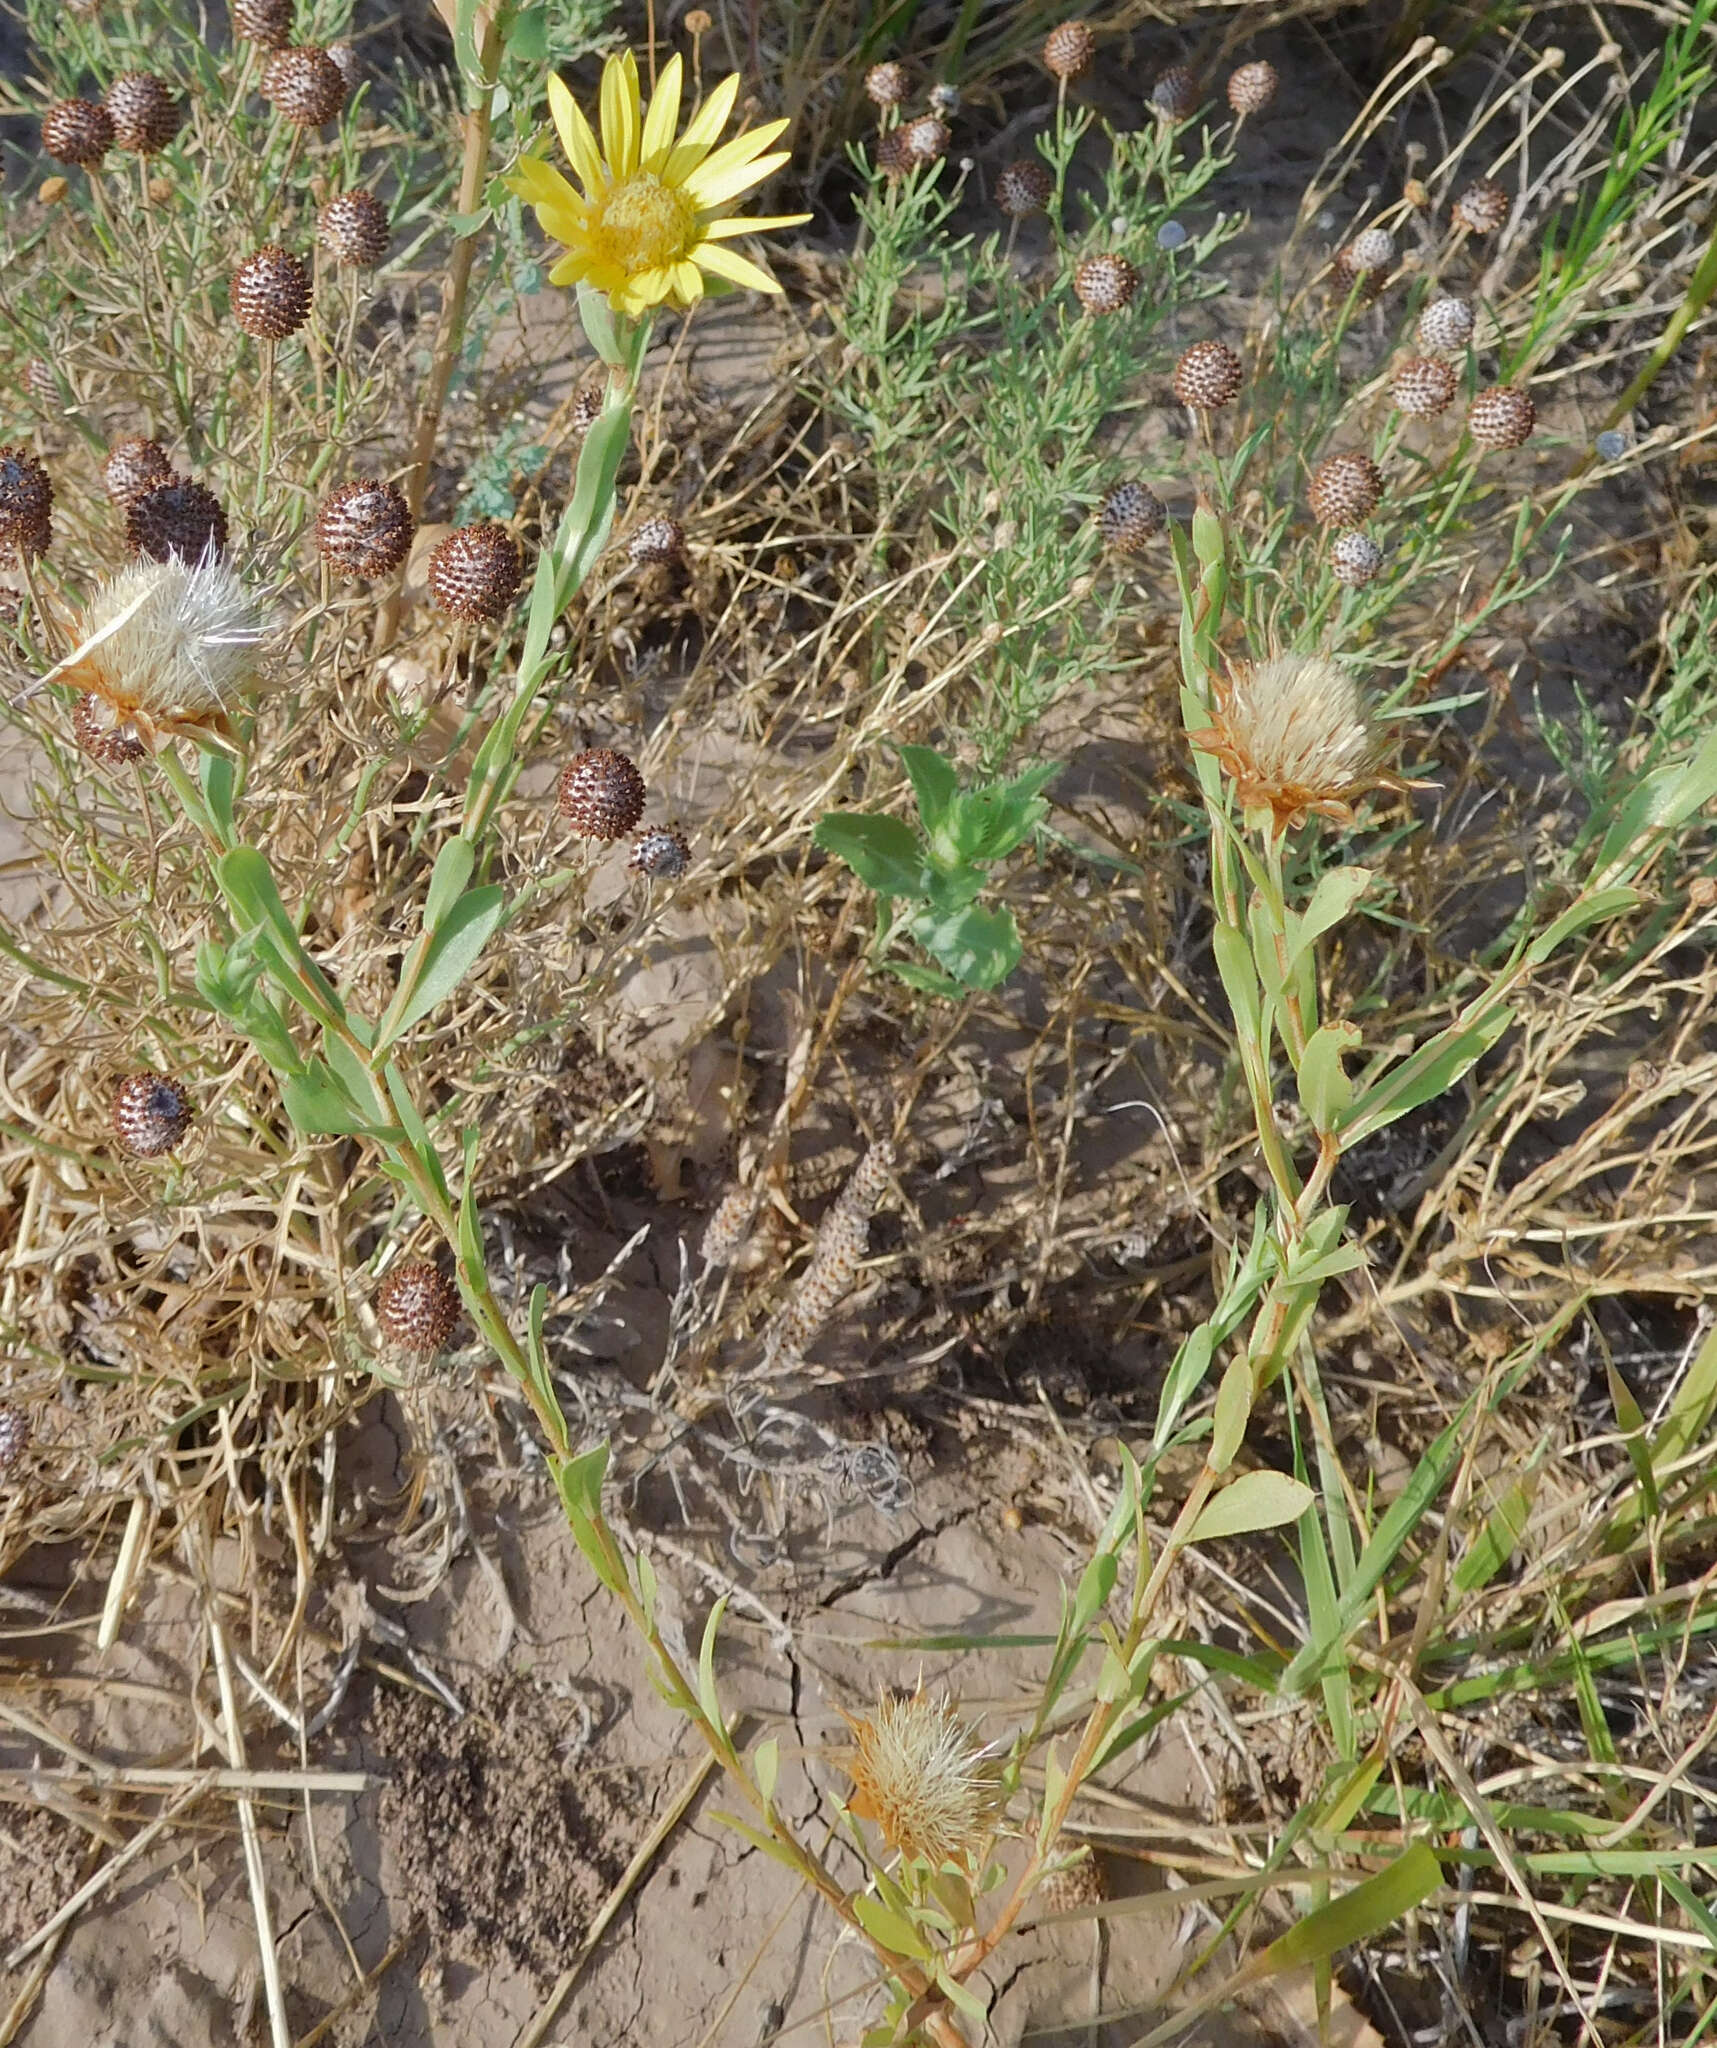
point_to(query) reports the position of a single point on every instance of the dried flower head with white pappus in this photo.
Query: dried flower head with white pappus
(921, 1775)
(168, 645)
(1297, 735)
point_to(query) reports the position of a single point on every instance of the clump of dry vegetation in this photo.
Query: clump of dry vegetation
(1106, 851)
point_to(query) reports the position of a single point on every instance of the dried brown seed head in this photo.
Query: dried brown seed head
(133, 465)
(77, 132)
(176, 521)
(1446, 324)
(150, 1114)
(926, 140)
(1355, 558)
(475, 572)
(1251, 87)
(1068, 50)
(888, 84)
(268, 22)
(346, 61)
(601, 794)
(1080, 1885)
(1348, 281)
(662, 853)
(304, 85)
(890, 154)
(353, 228)
(271, 293)
(417, 1306)
(26, 503)
(105, 734)
(1482, 208)
(658, 539)
(1024, 187)
(1105, 284)
(1423, 386)
(145, 112)
(1175, 94)
(1130, 517)
(364, 528)
(1502, 417)
(1372, 249)
(1207, 376)
(1345, 489)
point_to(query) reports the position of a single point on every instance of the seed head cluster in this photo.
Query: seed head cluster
(26, 504)
(922, 1777)
(268, 22)
(888, 84)
(151, 1114)
(1023, 188)
(304, 85)
(77, 132)
(925, 141)
(1296, 735)
(1423, 386)
(176, 520)
(134, 465)
(1251, 87)
(1446, 325)
(1075, 1887)
(601, 793)
(353, 228)
(729, 1225)
(364, 528)
(1207, 377)
(1355, 558)
(271, 293)
(658, 539)
(1130, 517)
(1482, 208)
(145, 112)
(417, 1306)
(1105, 284)
(475, 572)
(1345, 489)
(661, 854)
(1068, 51)
(1174, 96)
(1502, 417)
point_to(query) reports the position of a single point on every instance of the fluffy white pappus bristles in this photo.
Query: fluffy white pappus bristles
(172, 641)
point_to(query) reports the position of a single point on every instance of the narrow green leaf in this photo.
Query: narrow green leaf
(1368, 1909)
(1500, 1537)
(1239, 978)
(771, 1848)
(766, 1768)
(219, 780)
(1425, 1074)
(1256, 1500)
(1589, 910)
(1096, 1583)
(1233, 1411)
(893, 1931)
(453, 865)
(708, 1697)
(580, 1481)
(1337, 892)
(449, 957)
(934, 783)
(648, 1588)
(319, 1105)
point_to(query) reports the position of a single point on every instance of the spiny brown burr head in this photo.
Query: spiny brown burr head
(417, 1306)
(14, 1435)
(1251, 87)
(887, 84)
(1423, 386)
(1345, 488)
(475, 572)
(659, 539)
(77, 132)
(1350, 280)
(134, 465)
(1068, 50)
(1081, 1884)
(353, 228)
(271, 293)
(1105, 284)
(925, 140)
(1207, 376)
(1354, 558)
(179, 520)
(1371, 249)
(1446, 324)
(601, 794)
(104, 735)
(1502, 417)
(662, 852)
(1130, 517)
(1175, 94)
(1024, 187)
(364, 528)
(26, 503)
(268, 22)
(145, 112)
(150, 1114)
(892, 156)
(304, 85)
(1482, 208)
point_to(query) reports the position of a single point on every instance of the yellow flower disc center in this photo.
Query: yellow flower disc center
(645, 224)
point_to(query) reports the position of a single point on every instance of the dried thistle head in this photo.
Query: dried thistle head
(921, 1775)
(1297, 735)
(167, 645)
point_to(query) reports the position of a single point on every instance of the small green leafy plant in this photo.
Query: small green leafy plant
(927, 881)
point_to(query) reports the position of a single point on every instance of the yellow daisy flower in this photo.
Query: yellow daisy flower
(648, 220)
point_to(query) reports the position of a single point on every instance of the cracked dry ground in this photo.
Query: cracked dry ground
(474, 1859)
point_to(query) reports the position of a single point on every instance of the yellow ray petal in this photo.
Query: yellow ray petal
(707, 189)
(541, 184)
(620, 114)
(575, 136)
(742, 224)
(740, 150)
(570, 269)
(688, 283)
(702, 129)
(737, 269)
(664, 115)
(646, 288)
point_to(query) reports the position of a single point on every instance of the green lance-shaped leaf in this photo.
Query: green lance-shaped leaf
(320, 1105)
(441, 960)
(1334, 897)
(934, 783)
(1256, 1500)
(1368, 1909)
(248, 884)
(1424, 1075)
(1326, 1092)
(1233, 1411)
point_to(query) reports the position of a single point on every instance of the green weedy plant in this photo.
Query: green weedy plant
(927, 882)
